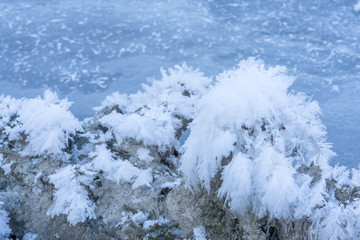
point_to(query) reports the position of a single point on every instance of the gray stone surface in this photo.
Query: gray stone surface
(27, 195)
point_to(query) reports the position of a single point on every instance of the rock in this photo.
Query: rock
(164, 210)
(200, 208)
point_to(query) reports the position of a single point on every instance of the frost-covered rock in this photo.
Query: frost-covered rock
(254, 166)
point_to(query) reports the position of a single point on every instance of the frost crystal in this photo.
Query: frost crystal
(114, 170)
(70, 196)
(46, 123)
(155, 115)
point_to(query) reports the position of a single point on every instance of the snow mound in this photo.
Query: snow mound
(269, 147)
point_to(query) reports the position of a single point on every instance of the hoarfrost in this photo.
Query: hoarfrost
(115, 170)
(260, 138)
(46, 123)
(70, 196)
(154, 115)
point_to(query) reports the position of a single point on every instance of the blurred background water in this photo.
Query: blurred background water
(85, 50)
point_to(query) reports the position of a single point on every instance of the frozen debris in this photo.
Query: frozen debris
(144, 154)
(199, 233)
(5, 230)
(260, 138)
(71, 197)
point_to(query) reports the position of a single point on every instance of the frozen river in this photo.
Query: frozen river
(86, 50)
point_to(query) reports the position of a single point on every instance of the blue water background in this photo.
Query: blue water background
(86, 50)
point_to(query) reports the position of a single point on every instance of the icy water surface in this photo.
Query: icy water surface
(87, 49)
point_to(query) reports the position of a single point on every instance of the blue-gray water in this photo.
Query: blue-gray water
(87, 49)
